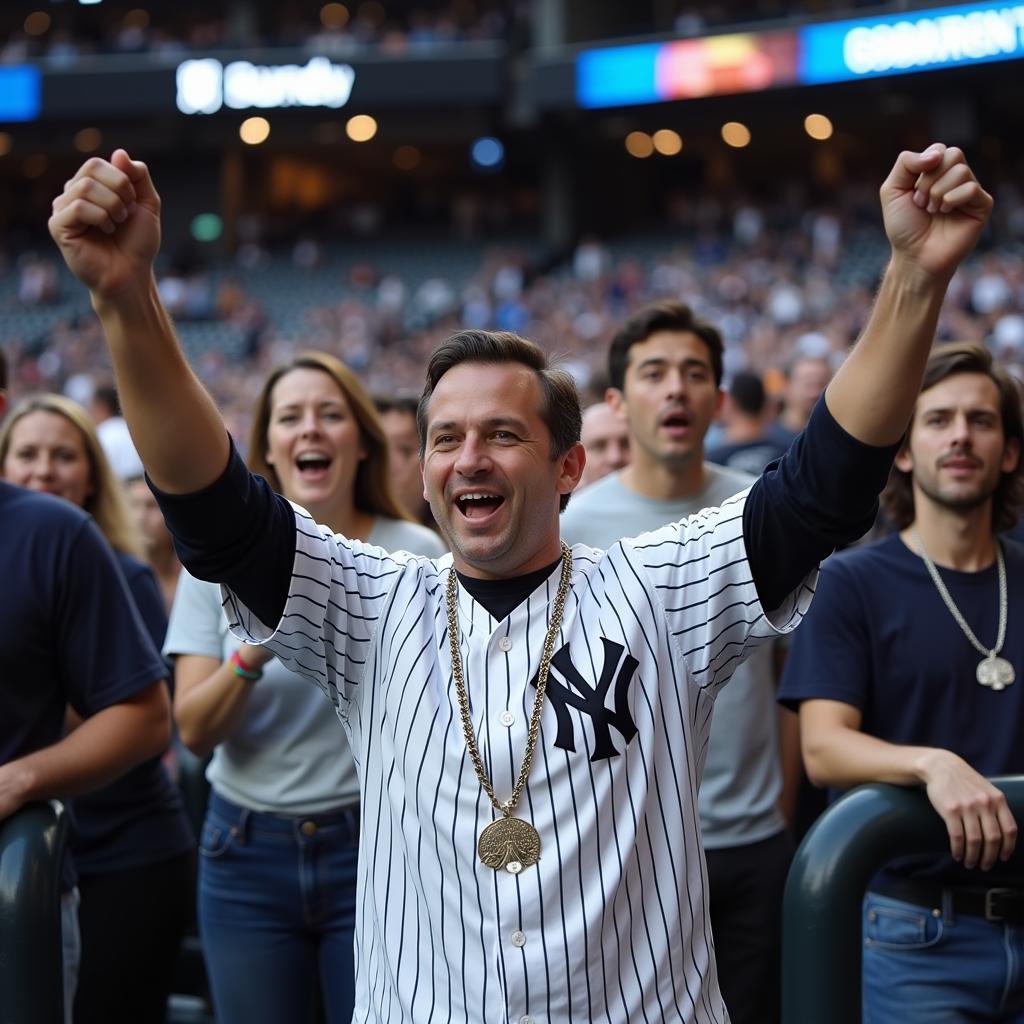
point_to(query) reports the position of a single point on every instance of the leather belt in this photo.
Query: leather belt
(1000, 904)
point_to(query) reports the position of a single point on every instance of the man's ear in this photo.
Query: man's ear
(573, 462)
(1011, 453)
(904, 462)
(617, 400)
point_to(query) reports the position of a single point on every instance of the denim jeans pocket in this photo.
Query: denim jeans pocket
(217, 837)
(903, 927)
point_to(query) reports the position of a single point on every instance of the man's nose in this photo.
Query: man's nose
(961, 429)
(472, 458)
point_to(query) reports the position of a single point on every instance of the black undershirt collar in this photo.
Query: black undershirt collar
(499, 597)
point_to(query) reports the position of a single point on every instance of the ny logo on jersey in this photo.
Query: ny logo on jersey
(590, 699)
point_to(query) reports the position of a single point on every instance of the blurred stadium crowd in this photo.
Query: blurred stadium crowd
(781, 280)
(340, 30)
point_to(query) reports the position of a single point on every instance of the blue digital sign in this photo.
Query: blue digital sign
(618, 76)
(21, 93)
(836, 51)
(900, 44)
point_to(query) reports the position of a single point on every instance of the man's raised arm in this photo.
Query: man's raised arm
(934, 212)
(107, 225)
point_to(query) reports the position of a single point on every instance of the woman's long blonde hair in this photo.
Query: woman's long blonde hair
(107, 503)
(373, 491)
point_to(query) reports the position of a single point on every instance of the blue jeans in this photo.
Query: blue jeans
(926, 968)
(277, 899)
(71, 946)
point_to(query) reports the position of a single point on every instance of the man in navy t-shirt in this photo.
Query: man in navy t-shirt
(910, 670)
(70, 636)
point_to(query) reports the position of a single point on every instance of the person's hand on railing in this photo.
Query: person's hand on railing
(981, 827)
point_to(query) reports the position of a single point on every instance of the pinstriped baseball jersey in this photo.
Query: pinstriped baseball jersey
(612, 923)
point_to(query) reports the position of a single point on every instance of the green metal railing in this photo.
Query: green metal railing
(31, 974)
(821, 919)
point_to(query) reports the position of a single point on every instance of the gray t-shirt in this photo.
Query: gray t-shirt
(742, 782)
(289, 753)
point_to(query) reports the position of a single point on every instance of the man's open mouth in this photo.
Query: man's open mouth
(676, 421)
(477, 505)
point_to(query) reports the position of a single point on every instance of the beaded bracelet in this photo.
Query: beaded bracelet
(244, 671)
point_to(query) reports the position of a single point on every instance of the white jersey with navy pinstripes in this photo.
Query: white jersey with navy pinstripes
(612, 923)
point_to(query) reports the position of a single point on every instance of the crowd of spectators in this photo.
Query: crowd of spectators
(333, 29)
(694, 19)
(780, 279)
(341, 30)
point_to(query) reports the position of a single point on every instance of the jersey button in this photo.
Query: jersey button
(507, 719)
(526, 1019)
(519, 939)
(309, 828)
(505, 643)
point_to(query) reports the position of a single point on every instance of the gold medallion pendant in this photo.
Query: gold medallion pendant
(509, 843)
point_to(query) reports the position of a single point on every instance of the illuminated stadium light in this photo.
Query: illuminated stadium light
(205, 85)
(639, 144)
(487, 153)
(735, 134)
(818, 126)
(5, 143)
(88, 140)
(207, 227)
(334, 15)
(254, 130)
(406, 158)
(37, 23)
(361, 128)
(667, 142)
(89, 3)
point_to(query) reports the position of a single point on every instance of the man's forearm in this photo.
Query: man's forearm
(873, 393)
(102, 748)
(843, 757)
(173, 421)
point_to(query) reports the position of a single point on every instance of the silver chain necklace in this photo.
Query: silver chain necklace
(992, 671)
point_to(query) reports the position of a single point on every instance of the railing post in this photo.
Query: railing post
(821, 918)
(31, 959)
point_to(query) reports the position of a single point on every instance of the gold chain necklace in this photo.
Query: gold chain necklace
(508, 842)
(992, 671)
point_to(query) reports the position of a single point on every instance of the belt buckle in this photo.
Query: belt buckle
(991, 895)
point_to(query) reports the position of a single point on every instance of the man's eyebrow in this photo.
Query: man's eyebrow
(664, 360)
(972, 410)
(433, 428)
